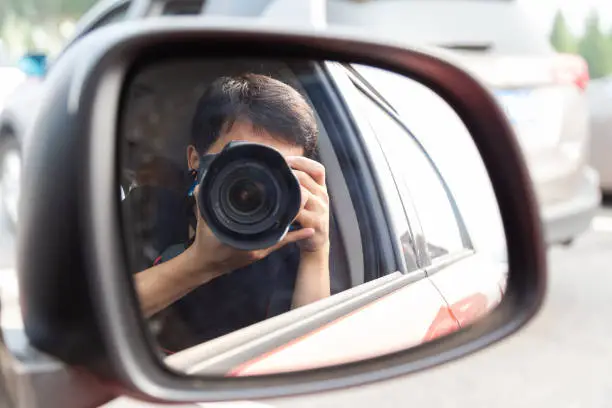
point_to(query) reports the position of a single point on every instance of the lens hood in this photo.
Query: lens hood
(248, 195)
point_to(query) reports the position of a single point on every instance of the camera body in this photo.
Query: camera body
(248, 195)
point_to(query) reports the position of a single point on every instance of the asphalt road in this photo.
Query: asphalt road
(563, 358)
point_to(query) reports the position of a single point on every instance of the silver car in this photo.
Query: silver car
(542, 92)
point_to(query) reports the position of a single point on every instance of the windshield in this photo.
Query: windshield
(500, 27)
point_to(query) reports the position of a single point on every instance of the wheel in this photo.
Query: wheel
(10, 180)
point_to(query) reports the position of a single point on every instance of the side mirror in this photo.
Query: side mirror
(33, 65)
(389, 226)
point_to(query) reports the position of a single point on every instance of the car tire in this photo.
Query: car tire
(10, 179)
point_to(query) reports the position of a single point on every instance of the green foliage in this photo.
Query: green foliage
(39, 10)
(561, 37)
(27, 25)
(596, 48)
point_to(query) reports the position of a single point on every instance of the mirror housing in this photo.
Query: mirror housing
(33, 65)
(78, 300)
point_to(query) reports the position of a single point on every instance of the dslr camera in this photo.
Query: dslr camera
(248, 195)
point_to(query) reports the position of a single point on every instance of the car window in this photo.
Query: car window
(182, 7)
(395, 210)
(418, 182)
(429, 118)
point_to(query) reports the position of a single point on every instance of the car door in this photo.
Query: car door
(365, 107)
(470, 280)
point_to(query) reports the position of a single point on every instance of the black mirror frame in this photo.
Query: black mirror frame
(82, 249)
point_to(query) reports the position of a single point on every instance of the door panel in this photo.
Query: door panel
(403, 319)
(243, 342)
(471, 285)
(470, 277)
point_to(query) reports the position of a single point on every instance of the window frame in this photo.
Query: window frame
(411, 211)
(346, 90)
(118, 13)
(381, 257)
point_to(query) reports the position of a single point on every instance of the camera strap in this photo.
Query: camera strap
(194, 175)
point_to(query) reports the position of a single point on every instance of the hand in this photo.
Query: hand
(208, 256)
(314, 213)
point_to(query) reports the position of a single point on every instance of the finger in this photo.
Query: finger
(293, 236)
(196, 196)
(197, 204)
(315, 169)
(305, 196)
(308, 219)
(308, 182)
(201, 223)
(196, 190)
(316, 204)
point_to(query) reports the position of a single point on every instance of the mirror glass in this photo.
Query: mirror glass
(289, 215)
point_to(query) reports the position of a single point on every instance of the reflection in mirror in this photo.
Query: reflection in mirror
(290, 215)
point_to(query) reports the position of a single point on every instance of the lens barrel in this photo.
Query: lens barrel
(248, 195)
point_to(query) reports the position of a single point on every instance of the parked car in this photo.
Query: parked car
(16, 112)
(21, 105)
(542, 92)
(10, 75)
(10, 79)
(406, 266)
(600, 106)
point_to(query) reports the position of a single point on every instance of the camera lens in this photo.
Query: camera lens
(246, 196)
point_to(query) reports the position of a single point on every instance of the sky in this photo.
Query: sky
(575, 11)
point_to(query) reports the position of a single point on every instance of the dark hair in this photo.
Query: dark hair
(267, 103)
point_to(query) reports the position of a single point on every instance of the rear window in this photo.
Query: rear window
(493, 26)
(183, 7)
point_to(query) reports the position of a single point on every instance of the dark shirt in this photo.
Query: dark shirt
(231, 302)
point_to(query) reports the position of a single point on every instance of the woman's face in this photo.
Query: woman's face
(244, 131)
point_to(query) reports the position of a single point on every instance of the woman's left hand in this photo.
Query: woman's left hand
(314, 211)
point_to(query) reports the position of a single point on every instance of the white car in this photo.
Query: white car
(19, 107)
(10, 75)
(542, 92)
(11, 78)
(600, 99)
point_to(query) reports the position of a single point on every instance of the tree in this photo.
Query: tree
(595, 48)
(561, 37)
(38, 10)
(38, 22)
